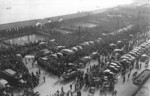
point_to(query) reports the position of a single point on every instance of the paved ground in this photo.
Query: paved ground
(53, 84)
(128, 88)
(144, 90)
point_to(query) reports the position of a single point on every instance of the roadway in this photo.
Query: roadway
(53, 84)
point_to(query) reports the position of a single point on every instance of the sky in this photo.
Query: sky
(20, 10)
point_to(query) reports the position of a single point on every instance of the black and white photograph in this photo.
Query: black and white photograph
(74, 48)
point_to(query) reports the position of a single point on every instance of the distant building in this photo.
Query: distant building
(141, 1)
(134, 10)
(144, 12)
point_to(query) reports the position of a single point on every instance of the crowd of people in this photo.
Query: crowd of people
(60, 61)
(106, 55)
(66, 60)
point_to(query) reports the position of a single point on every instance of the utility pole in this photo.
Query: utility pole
(79, 34)
(118, 21)
(138, 17)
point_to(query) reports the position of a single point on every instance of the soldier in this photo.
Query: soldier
(115, 92)
(44, 79)
(79, 93)
(124, 79)
(128, 76)
(39, 71)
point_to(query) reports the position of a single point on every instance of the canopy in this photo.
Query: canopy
(128, 56)
(59, 54)
(126, 61)
(91, 42)
(104, 34)
(54, 55)
(79, 47)
(52, 40)
(44, 58)
(133, 54)
(70, 64)
(124, 57)
(97, 41)
(111, 73)
(113, 67)
(38, 24)
(117, 50)
(117, 62)
(131, 57)
(2, 83)
(144, 55)
(87, 57)
(143, 45)
(42, 43)
(29, 56)
(10, 72)
(67, 51)
(105, 77)
(94, 53)
(120, 30)
(61, 19)
(74, 48)
(107, 70)
(22, 81)
(85, 44)
(136, 51)
(111, 33)
(113, 64)
(60, 47)
(99, 38)
(112, 45)
(19, 55)
(49, 21)
(45, 50)
(131, 35)
(118, 42)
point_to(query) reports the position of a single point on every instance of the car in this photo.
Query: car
(142, 77)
